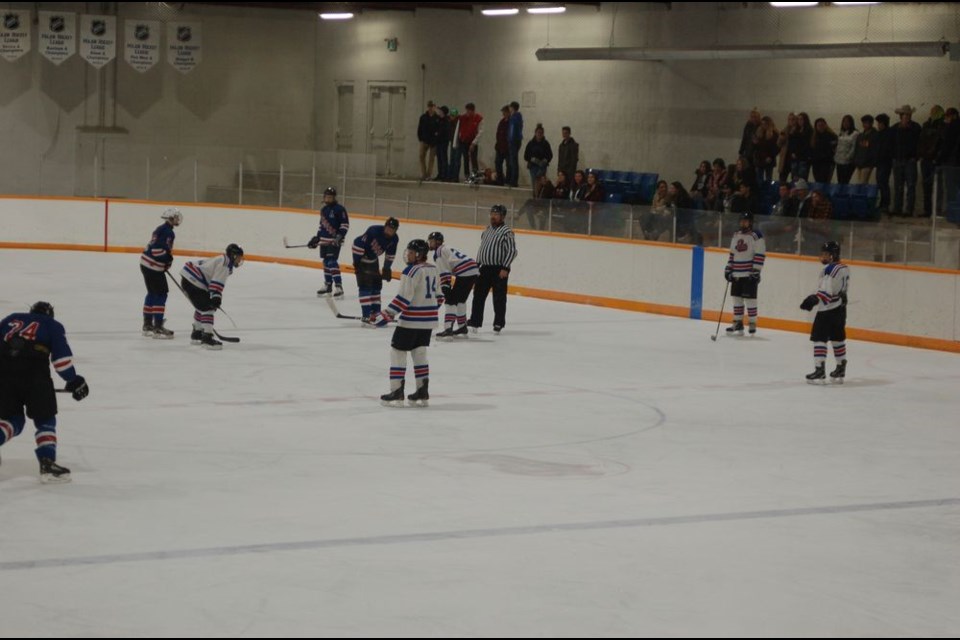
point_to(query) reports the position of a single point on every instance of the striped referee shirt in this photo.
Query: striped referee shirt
(498, 247)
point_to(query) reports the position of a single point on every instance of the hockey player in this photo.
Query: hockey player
(416, 309)
(830, 325)
(155, 261)
(203, 282)
(28, 343)
(334, 224)
(462, 270)
(747, 254)
(367, 249)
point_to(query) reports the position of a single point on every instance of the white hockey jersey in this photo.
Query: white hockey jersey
(209, 274)
(832, 292)
(748, 251)
(415, 306)
(451, 262)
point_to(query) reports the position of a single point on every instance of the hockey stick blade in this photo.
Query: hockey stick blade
(225, 338)
(292, 246)
(336, 312)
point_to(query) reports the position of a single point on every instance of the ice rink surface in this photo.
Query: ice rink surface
(588, 472)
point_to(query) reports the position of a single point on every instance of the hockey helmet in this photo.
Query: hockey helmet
(173, 216)
(499, 209)
(437, 237)
(393, 223)
(235, 254)
(746, 215)
(43, 308)
(330, 191)
(832, 248)
(420, 247)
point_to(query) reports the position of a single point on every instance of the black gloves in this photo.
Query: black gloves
(728, 274)
(78, 388)
(215, 301)
(809, 302)
(387, 274)
(446, 290)
(314, 242)
(755, 276)
(338, 240)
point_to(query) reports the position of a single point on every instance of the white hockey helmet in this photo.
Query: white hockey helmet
(173, 216)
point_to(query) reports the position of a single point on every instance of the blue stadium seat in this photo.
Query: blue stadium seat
(614, 197)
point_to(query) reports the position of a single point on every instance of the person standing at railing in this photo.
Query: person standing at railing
(747, 254)
(928, 150)
(502, 146)
(906, 137)
(884, 160)
(538, 156)
(155, 261)
(568, 153)
(865, 157)
(428, 131)
(471, 128)
(334, 225)
(515, 140)
(446, 135)
(498, 250)
(948, 163)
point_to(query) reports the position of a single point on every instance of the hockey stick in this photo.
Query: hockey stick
(720, 317)
(222, 337)
(336, 312)
(293, 246)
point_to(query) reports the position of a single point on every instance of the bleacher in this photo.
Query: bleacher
(850, 201)
(628, 187)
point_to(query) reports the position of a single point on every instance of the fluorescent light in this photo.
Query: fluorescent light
(336, 16)
(852, 4)
(784, 5)
(500, 12)
(538, 10)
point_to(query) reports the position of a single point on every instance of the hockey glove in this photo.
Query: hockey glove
(78, 388)
(387, 274)
(809, 302)
(215, 302)
(383, 319)
(446, 290)
(314, 242)
(755, 276)
(338, 240)
(728, 274)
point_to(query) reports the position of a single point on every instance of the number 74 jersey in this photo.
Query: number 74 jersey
(415, 306)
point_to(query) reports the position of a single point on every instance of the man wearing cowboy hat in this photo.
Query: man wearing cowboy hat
(906, 136)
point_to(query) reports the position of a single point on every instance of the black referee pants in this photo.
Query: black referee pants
(489, 279)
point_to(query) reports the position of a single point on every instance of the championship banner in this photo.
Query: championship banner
(58, 35)
(141, 44)
(14, 33)
(184, 45)
(98, 39)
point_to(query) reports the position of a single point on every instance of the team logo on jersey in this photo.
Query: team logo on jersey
(11, 21)
(141, 32)
(98, 27)
(57, 24)
(741, 245)
(184, 34)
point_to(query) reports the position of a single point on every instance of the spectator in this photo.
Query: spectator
(749, 129)
(471, 128)
(799, 146)
(765, 149)
(543, 189)
(801, 193)
(579, 187)
(928, 150)
(661, 199)
(786, 206)
(568, 153)
(594, 191)
(906, 136)
(456, 155)
(444, 135)
(823, 151)
(783, 142)
(717, 181)
(515, 138)
(865, 157)
(502, 146)
(683, 205)
(700, 189)
(537, 155)
(949, 159)
(561, 190)
(744, 200)
(659, 219)
(820, 207)
(884, 160)
(428, 133)
(846, 147)
(743, 173)
(537, 212)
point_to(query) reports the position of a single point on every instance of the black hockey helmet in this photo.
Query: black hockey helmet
(832, 248)
(393, 223)
(330, 191)
(500, 209)
(746, 215)
(235, 254)
(436, 236)
(43, 308)
(420, 247)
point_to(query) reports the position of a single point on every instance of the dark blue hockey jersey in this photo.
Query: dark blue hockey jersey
(334, 221)
(159, 252)
(34, 336)
(374, 243)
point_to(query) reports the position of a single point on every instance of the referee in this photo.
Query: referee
(498, 250)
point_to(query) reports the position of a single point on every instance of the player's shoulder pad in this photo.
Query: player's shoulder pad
(758, 234)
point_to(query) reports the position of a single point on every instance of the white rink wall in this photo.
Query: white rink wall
(912, 306)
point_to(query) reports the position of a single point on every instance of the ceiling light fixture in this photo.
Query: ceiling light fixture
(500, 12)
(546, 10)
(336, 16)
